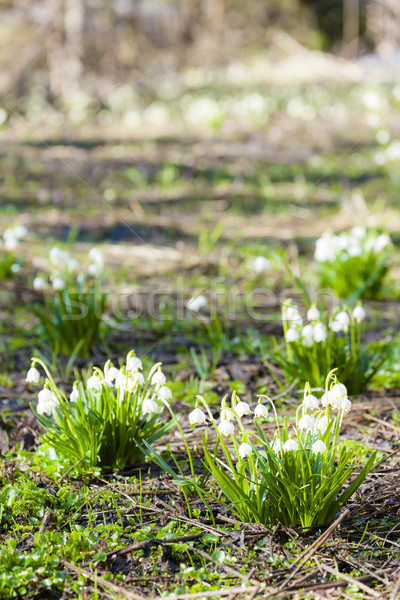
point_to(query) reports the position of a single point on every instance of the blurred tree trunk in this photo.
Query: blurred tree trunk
(383, 25)
(215, 16)
(351, 28)
(65, 48)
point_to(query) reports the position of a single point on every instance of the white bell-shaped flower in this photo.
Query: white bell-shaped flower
(318, 447)
(290, 445)
(58, 284)
(293, 316)
(11, 244)
(158, 378)
(337, 394)
(39, 284)
(33, 376)
(226, 427)
(359, 232)
(134, 363)
(149, 406)
(380, 243)
(341, 322)
(94, 383)
(197, 303)
(111, 375)
(74, 395)
(310, 402)
(345, 405)
(197, 417)
(46, 402)
(277, 446)
(319, 333)
(245, 450)
(242, 408)
(139, 379)
(313, 314)
(227, 414)
(292, 335)
(260, 264)
(165, 393)
(359, 314)
(260, 411)
(322, 424)
(325, 400)
(306, 423)
(307, 336)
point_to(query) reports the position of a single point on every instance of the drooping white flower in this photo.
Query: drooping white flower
(277, 446)
(120, 380)
(307, 336)
(138, 378)
(33, 376)
(149, 406)
(227, 414)
(134, 363)
(319, 333)
(39, 284)
(380, 243)
(290, 445)
(94, 383)
(226, 427)
(260, 264)
(313, 313)
(260, 411)
(325, 399)
(245, 450)
(73, 265)
(359, 232)
(74, 395)
(19, 231)
(292, 335)
(341, 322)
(197, 417)
(58, 284)
(345, 405)
(242, 408)
(322, 424)
(318, 447)
(165, 393)
(96, 256)
(59, 258)
(46, 401)
(337, 395)
(355, 249)
(359, 314)
(325, 250)
(111, 375)
(94, 270)
(11, 244)
(197, 303)
(158, 378)
(310, 402)
(306, 423)
(293, 316)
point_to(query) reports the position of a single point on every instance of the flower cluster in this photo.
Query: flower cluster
(317, 330)
(330, 247)
(9, 242)
(66, 270)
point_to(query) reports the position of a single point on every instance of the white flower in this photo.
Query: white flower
(59, 258)
(318, 447)
(39, 284)
(74, 395)
(245, 450)
(165, 393)
(134, 363)
(345, 405)
(46, 401)
(307, 335)
(96, 256)
(359, 314)
(322, 424)
(73, 265)
(313, 313)
(120, 380)
(260, 411)
(310, 402)
(337, 394)
(242, 408)
(158, 378)
(138, 378)
(10, 244)
(197, 417)
(325, 399)
(58, 284)
(94, 383)
(341, 322)
(293, 316)
(380, 243)
(325, 249)
(131, 385)
(94, 270)
(277, 446)
(226, 427)
(319, 333)
(290, 445)
(149, 406)
(306, 422)
(197, 303)
(111, 375)
(15, 268)
(33, 376)
(291, 335)
(359, 232)
(20, 231)
(260, 264)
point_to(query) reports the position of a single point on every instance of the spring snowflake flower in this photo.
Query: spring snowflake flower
(73, 265)
(260, 411)
(310, 402)
(46, 402)
(293, 316)
(226, 427)
(291, 335)
(242, 408)
(58, 284)
(197, 303)
(94, 270)
(96, 256)
(59, 258)
(325, 399)
(345, 405)
(110, 375)
(197, 417)
(74, 395)
(313, 314)
(359, 314)
(158, 378)
(359, 232)
(134, 363)
(325, 250)
(380, 243)
(165, 393)
(120, 380)
(306, 422)
(33, 376)
(322, 424)
(318, 447)
(307, 334)
(277, 446)
(149, 406)
(138, 379)
(337, 395)
(319, 333)
(290, 445)
(94, 383)
(260, 264)
(10, 244)
(39, 284)
(245, 450)
(341, 322)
